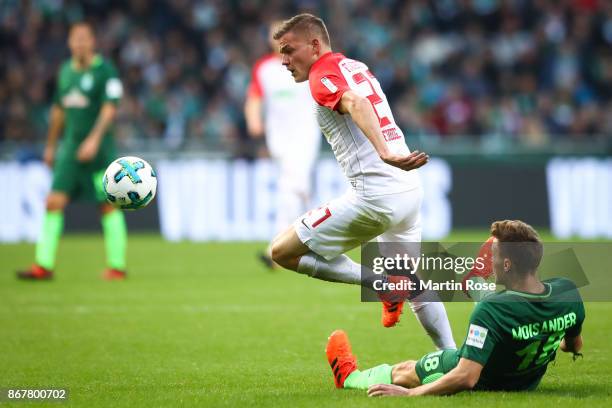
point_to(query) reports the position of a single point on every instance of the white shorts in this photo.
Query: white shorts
(350, 220)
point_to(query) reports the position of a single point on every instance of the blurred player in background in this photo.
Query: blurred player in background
(283, 110)
(84, 106)
(385, 199)
(512, 337)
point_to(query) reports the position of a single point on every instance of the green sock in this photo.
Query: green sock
(46, 246)
(361, 380)
(115, 239)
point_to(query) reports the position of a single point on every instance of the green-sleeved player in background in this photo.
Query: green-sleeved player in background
(512, 337)
(84, 107)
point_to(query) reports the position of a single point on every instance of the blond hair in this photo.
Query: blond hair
(305, 23)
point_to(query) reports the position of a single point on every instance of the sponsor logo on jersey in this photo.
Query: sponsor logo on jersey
(87, 82)
(352, 65)
(75, 99)
(391, 134)
(114, 88)
(329, 85)
(476, 336)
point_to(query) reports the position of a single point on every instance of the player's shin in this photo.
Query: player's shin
(433, 318)
(115, 239)
(46, 246)
(361, 380)
(339, 269)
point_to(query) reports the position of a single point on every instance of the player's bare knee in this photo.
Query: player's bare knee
(106, 208)
(404, 374)
(56, 202)
(404, 367)
(278, 253)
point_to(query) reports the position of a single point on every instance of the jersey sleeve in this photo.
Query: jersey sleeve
(255, 90)
(482, 336)
(567, 292)
(575, 330)
(327, 85)
(113, 88)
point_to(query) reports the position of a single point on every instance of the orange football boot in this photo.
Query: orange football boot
(340, 357)
(393, 302)
(36, 272)
(114, 274)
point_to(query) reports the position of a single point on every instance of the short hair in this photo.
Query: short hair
(519, 242)
(306, 23)
(84, 24)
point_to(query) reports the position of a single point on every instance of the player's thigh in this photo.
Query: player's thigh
(434, 365)
(406, 217)
(339, 226)
(65, 179)
(295, 175)
(90, 185)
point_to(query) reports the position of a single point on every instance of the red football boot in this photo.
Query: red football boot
(340, 357)
(36, 272)
(114, 274)
(393, 301)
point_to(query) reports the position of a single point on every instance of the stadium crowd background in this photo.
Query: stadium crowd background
(529, 72)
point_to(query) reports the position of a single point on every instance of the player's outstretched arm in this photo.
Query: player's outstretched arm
(56, 124)
(362, 112)
(461, 378)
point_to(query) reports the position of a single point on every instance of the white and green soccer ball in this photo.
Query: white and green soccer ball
(129, 183)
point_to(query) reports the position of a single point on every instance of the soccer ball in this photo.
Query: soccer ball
(129, 183)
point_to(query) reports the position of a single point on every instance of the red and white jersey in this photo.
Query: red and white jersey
(289, 110)
(331, 76)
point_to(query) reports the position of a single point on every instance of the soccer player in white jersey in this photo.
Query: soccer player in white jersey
(386, 195)
(283, 110)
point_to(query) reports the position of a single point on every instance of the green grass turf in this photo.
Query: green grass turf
(206, 325)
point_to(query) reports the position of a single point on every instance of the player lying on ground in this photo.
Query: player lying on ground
(512, 337)
(84, 107)
(385, 199)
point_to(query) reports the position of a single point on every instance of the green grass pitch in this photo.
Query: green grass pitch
(206, 325)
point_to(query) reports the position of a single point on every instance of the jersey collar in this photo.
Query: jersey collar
(322, 59)
(95, 61)
(545, 294)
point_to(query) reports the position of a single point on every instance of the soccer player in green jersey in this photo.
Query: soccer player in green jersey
(511, 338)
(84, 107)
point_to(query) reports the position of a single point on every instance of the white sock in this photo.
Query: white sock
(433, 318)
(339, 269)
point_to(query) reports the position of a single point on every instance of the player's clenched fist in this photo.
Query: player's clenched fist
(413, 161)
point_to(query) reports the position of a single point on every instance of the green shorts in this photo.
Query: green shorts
(80, 181)
(434, 365)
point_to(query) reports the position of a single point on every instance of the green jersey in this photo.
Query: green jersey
(515, 335)
(81, 94)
